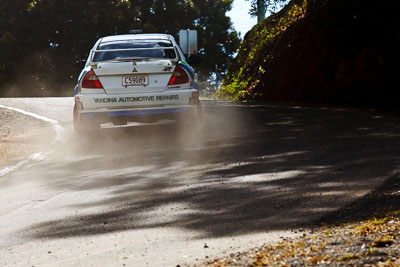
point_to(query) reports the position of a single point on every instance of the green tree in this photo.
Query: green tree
(12, 32)
(217, 39)
(52, 34)
(260, 7)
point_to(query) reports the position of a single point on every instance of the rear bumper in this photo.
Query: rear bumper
(98, 101)
(137, 114)
(172, 104)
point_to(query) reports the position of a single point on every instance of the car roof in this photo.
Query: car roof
(142, 36)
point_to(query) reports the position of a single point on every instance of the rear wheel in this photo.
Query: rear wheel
(83, 126)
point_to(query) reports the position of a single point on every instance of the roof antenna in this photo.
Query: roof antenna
(135, 31)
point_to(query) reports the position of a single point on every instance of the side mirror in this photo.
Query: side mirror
(80, 64)
(194, 60)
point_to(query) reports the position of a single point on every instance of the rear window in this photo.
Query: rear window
(134, 48)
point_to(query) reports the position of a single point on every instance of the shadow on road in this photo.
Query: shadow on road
(252, 168)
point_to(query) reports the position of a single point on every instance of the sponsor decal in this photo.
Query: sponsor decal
(187, 68)
(167, 69)
(167, 97)
(106, 100)
(136, 99)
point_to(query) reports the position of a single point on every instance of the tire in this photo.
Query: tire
(84, 127)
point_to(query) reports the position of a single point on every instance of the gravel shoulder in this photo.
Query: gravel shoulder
(20, 137)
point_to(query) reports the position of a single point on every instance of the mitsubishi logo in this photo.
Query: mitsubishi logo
(134, 70)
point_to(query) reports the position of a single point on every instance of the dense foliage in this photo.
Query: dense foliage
(326, 51)
(40, 40)
(270, 6)
(248, 67)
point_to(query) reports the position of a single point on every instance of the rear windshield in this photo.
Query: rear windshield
(146, 49)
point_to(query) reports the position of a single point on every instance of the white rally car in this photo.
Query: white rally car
(135, 78)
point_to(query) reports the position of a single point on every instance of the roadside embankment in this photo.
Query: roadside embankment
(335, 52)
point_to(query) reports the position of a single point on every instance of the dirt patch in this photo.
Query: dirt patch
(372, 241)
(368, 243)
(20, 136)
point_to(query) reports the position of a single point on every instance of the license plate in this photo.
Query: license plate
(136, 80)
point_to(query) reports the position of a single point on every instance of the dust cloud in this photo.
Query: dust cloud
(42, 74)
(34, 86)
(165, 143)
(116, 147)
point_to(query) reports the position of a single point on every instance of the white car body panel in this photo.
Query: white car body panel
(95, 102)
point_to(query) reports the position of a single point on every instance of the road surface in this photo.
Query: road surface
(162, 196)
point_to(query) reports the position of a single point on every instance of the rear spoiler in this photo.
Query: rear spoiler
(176, 59)
(134, 49)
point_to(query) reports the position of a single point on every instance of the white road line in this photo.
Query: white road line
(56, 125)
(37, 156)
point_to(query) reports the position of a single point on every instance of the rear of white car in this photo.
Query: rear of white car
(135, 78)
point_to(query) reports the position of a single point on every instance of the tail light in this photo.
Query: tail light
(90, 80)
(179, 76)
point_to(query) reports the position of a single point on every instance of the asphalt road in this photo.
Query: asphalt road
(162, 196)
